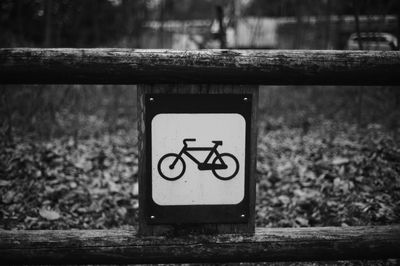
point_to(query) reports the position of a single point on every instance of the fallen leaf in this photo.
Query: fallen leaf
(8, 197)
(135, 204)
(73, 185)
(337, 182)
(340, 161)
(135, 189)
(302, 221)
(122, 211)
(113, 186)
(284, 199)
(82, 210)
(49, 214)
(4, 183)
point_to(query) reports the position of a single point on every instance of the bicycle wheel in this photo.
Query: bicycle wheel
(231, 171)
(166, 170)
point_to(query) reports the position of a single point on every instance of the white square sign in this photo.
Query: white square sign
(198, 158)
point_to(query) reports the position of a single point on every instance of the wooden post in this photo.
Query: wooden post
(200, 228)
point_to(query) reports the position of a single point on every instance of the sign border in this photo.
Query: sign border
(193, 103)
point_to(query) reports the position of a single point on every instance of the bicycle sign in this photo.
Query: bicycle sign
(224, 166)
(198, 157)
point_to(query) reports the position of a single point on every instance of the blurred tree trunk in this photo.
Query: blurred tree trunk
(20, 27)
(221, 32)
(299, 29)
(236, 14)
(131, 15)
(128, 17)
(48, 22)
(356, 9)
(328, 10)
(95, 22)
(77, 13)
(162, 19)
(398, 24)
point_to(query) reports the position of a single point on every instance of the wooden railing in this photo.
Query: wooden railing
(267, 244)
(128, 66)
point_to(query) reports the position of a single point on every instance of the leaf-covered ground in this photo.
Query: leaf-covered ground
(333, 175)
(328, 174)
(327, 156)
(62, 184)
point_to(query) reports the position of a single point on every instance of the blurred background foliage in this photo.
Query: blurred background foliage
(123, 23)
(47, 111)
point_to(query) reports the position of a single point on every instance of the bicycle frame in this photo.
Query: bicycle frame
(216, 164)
(185, 150)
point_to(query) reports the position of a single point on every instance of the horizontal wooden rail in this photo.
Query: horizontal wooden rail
(130, 66)
(122, 246)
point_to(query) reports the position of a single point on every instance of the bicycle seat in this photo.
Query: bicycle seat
(217, 142)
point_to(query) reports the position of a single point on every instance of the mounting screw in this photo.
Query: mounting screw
(152, 217)
(245, 99)
(151, 99)
(242, 215)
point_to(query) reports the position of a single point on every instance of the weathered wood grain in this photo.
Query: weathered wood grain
(130, 66)
(122, 246)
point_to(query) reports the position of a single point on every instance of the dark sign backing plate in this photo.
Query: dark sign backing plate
(156, 104)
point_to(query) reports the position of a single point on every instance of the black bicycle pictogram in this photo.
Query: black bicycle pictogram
(224, 166)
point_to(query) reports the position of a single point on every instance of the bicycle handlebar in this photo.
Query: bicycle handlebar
(185, 140)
